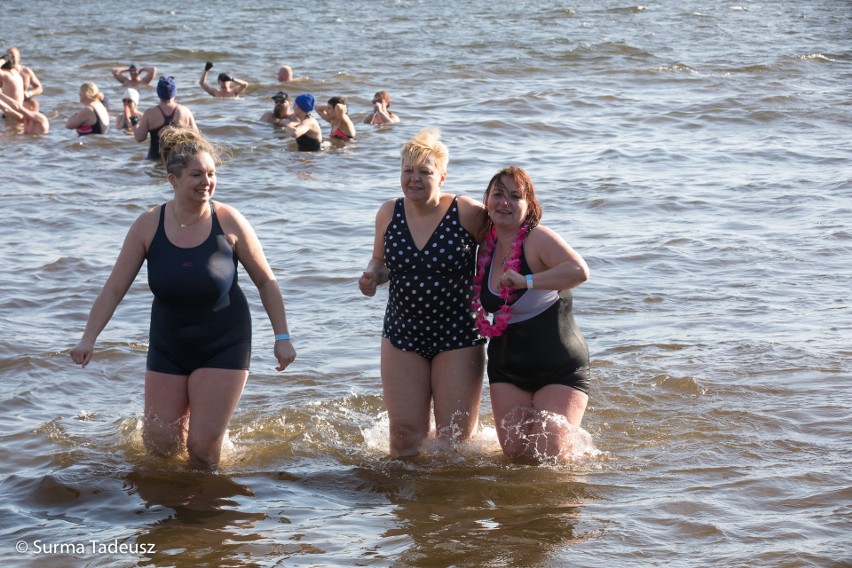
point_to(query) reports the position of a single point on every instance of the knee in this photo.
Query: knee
(204, 452)
(519, 435)
(515, 449)
(405, 440)
(163, 439)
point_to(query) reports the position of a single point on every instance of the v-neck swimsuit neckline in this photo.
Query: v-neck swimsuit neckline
(444, 217)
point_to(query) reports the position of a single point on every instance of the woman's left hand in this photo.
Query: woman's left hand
(285, 353)
(514, 280)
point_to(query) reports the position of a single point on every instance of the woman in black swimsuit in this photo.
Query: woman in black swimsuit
(200, 342)
(305, 128)
(538, 362)
(93, 118)
(166, 113)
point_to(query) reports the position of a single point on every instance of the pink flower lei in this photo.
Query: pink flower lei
(501, 319)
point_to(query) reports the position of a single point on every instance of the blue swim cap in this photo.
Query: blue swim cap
(166, 88)
(305, 102)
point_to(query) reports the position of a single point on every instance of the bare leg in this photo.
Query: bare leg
(213, 396)
(457, 391)
(408, 398)
(555, 437)
(166, 413)
(512, 410)
(533, 427)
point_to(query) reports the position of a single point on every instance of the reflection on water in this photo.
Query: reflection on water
(482, 516)
(202, 521)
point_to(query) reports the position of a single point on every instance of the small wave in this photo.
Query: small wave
(675, 68)
(816, 57)
(638, 9)
(685, 385)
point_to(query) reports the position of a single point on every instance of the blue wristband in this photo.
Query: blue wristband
(282, 337)
(529, 281)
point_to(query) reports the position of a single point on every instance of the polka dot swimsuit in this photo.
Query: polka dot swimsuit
(429, 297)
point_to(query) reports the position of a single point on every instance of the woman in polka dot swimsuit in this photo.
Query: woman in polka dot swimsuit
(425, 246)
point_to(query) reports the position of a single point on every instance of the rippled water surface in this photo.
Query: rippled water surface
(696, 153)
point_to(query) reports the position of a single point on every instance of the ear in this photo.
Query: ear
(443, 179)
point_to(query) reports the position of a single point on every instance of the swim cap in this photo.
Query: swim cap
(280, 95)
(166, 88)
(131, 94)
(305, 102)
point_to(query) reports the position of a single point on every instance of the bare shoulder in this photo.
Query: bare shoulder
(182, 111)
(542, 236)
(385, 212)
(387, 206)
(151, 111)
(229, 217)
(468, 203)
(151, 215)
(548, 246)
(145, 225)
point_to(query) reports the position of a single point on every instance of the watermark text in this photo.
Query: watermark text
(91, 547)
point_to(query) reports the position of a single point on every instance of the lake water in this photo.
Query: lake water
(697, 154)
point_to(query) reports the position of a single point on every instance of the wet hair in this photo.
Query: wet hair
(334, 101)
(224, 77)
(525, 186)
(91, 92)
(425, 144)
(179, 145)
(384, 96)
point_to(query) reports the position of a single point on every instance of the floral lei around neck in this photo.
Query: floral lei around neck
(501, 319)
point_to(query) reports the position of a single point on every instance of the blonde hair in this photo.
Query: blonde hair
(427, 143)
(91, 92)
(179, 145)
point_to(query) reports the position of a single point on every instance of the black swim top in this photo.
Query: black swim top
(154, 148)
(308, 144)
(197, 277)
(99, 127)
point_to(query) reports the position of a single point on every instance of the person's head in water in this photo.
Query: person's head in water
(166, 88)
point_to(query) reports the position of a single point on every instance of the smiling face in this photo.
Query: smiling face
(196, 182)
(506, 204)
(422, 182)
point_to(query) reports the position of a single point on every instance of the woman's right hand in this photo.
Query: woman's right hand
(285, 353)
(82, 354)
(368, 283)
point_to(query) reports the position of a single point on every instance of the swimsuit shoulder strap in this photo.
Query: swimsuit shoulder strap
(217, 227)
